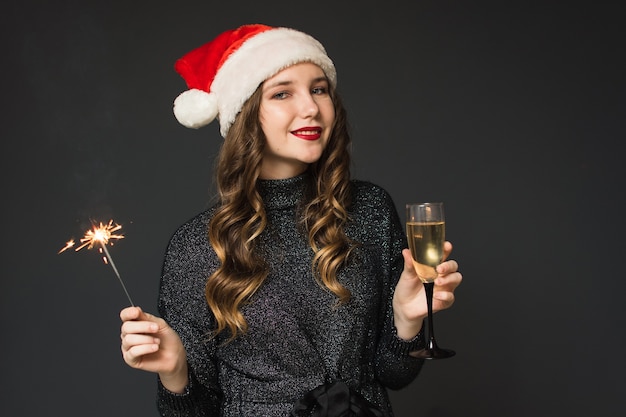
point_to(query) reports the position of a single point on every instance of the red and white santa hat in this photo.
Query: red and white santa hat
(222, 74)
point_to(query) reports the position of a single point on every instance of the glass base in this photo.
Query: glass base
(433, 353)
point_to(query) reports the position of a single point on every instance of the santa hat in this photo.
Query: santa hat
(222, 74)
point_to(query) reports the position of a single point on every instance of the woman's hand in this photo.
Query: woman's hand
(409, 300)
(150, 344)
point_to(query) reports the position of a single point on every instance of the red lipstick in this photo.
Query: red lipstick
(308, 133)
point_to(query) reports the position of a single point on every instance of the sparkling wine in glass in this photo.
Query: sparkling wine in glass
(426, 233)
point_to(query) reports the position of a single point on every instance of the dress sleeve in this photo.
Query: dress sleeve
(182, 305)
(395, 368)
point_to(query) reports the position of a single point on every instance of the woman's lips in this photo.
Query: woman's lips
(308, 133)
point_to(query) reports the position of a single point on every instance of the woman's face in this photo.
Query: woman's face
(297, 115)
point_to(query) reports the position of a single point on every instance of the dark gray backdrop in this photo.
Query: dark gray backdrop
(510, 112)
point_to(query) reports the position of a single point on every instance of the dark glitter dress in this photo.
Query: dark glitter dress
(298, 339)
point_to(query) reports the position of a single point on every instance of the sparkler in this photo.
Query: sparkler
(103, 235)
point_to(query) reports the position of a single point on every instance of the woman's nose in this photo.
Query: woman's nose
(308, 106)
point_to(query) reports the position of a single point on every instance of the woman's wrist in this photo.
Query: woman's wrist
(177, 381)
(407, 329)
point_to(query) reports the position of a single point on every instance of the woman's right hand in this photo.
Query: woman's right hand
(150, 344)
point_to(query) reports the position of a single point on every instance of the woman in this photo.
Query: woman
(295, 294)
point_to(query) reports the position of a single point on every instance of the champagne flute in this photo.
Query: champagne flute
(426, 230)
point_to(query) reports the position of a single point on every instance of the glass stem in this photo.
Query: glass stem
(429, 287)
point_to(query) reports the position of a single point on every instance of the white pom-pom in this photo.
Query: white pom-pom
(195, 108)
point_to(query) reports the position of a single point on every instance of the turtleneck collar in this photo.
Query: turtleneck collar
(283, 193)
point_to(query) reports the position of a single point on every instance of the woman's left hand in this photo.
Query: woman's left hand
(409, 300)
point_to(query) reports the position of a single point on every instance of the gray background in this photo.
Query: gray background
(510, 112)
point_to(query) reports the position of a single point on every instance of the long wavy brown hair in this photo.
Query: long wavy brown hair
(240, 215)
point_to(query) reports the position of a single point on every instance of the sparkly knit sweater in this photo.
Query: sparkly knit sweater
(298, 337)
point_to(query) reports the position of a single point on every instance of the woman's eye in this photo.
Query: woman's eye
(280, 95)
(320, 90)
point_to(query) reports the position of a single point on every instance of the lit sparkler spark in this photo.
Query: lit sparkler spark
(69, 244)
(102, 234)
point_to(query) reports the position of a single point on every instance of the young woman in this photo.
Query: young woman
(295, 294)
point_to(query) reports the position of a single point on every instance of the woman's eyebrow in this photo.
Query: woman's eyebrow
(279, 83)
(288, 82)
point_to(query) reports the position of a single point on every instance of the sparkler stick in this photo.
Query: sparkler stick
(102, 234)
(108, 255)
